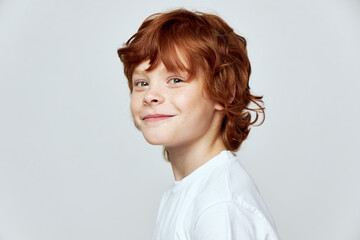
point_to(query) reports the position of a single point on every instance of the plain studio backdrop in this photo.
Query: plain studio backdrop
(73, 166)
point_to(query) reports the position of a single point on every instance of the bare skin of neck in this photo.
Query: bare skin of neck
(186, 159)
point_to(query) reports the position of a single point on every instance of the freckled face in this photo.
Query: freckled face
(169, 109)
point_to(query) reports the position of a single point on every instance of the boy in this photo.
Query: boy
(188, 73)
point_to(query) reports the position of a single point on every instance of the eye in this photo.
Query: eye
(175, 80)
(141, 84)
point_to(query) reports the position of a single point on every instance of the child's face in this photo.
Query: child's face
(171, 110)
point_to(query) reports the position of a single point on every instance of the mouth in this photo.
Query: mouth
(156, 117)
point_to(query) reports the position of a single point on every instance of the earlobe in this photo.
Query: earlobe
(219, 107)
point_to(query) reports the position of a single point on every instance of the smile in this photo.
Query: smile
(156, 117)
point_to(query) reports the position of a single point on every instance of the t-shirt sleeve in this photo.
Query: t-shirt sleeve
(230, 221)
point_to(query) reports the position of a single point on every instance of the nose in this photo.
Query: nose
(153, 96)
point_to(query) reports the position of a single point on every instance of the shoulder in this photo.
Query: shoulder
(228, 182)
(229, 194)
(229, 220)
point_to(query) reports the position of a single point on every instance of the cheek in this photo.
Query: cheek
(135, 112)
(134, 105)
(196, 108)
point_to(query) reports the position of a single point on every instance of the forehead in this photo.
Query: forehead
(174, 60)
(145, 68)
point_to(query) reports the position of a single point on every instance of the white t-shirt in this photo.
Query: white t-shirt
(218, 201)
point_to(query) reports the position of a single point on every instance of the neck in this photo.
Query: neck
(186, 159)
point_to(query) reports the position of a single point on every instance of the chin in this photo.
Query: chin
(156, 140)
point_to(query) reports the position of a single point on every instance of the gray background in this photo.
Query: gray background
(73, 166)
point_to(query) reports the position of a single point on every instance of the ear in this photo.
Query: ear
(231, 98)
(232, 92)
(218, 107)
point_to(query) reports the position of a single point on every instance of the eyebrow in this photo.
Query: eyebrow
(138, 72)
(143, 72)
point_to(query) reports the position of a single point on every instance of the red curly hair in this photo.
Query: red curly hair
(204, 41)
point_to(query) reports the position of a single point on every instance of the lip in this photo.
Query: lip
(156, 117)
